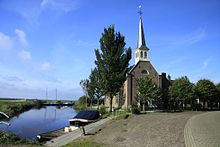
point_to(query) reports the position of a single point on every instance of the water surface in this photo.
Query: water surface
(29, 124)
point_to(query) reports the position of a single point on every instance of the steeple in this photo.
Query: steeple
(141, 38)
(141, 53)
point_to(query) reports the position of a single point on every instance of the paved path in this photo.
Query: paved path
(203, 130)
(68, 137)
(150, 130)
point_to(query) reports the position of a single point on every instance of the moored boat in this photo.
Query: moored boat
(50, 135)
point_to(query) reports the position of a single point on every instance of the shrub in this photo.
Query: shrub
(135, 109)
(102, 110)
(8, 138)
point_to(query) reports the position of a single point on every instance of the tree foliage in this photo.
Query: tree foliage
(182, 90)
(147, 90)
(85, 86)
(95, 85)
(218, 87)
(81, 103)
(206, 91)
(112, 61)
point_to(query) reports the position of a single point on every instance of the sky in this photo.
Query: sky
(49, 44)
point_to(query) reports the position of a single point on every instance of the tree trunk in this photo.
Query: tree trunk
(86, 102)
(98, 103)
(203, 105)
(143, 107)
(111, 97)
(91, 103)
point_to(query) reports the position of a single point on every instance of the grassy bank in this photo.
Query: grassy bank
(83, 143)
(15, 107)
(8, 139)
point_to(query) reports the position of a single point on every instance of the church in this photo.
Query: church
(143, 67)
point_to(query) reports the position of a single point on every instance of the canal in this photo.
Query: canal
(29, 124)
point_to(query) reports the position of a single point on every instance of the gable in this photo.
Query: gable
(144, 68)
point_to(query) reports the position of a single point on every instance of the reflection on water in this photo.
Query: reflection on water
(35, 121)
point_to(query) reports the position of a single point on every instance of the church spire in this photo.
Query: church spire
(141, 53)
(141, 39)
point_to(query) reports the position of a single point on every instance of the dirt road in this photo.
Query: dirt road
(156, 130)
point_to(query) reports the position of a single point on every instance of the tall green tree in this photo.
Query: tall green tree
(218, 88)
(182, 90)
(147, 90)
(81, 103)
(207, 92)
(85, 86)
(112, 61)
(95, 85)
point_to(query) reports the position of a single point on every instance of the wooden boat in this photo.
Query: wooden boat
(4, 118)
(50, 135)
(3, 115)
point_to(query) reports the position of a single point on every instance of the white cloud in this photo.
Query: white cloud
(32, 10)
(24, 55)
(52, 79)
(190, 38)
(21, 36)
(182, 40)
(206, 63)
(44, 3)
(45, 66)
(64, 5)
(5, 41)
(13, 79)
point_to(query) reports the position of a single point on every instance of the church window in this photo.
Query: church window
(145, 54)
(141, 54)
(144, 72)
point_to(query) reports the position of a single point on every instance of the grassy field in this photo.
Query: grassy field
(4, 102)
(14, 107)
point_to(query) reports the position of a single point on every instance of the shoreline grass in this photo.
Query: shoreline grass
(15, 107)
(12, 139)
(85, 142)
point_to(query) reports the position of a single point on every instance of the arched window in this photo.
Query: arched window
(145, 54)
(144, 72)
(141, 54)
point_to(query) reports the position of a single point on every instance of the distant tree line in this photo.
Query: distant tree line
(182, 94)
(204, 95)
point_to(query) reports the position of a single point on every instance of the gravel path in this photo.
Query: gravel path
(151, 130)
(203, 130)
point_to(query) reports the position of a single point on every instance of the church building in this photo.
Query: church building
(143, 67)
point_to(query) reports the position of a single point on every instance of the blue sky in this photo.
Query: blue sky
(50, 43)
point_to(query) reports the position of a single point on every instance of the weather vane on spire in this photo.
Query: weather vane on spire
(140, 12)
